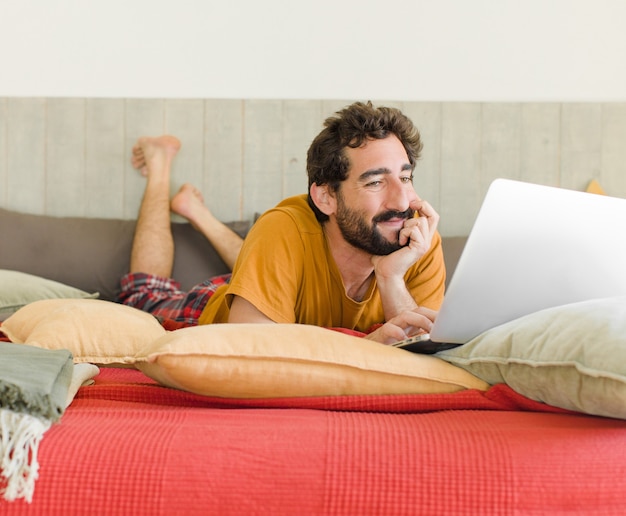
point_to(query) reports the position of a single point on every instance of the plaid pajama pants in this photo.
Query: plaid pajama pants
(163, 297)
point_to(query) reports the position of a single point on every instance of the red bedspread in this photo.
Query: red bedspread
(129, 446)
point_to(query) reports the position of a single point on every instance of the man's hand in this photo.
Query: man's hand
(416, 237)
(419, 231)
(404, 325)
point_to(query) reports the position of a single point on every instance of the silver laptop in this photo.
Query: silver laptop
(531, 247)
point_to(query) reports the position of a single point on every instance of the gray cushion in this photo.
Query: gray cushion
(93, 254)
(18, 289)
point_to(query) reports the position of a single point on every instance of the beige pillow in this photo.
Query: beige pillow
(287, 360)
(571, 356)
(96, 331)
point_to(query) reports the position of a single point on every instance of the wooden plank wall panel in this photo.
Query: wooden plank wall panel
(500, 143)
(105, 158)
(302, 122)
(222, 185)
(65, 156)
(26, 155)
(263, 152)
(460, 167)
(613, 159)
(72, 156)
(581, 144)
(540, 143)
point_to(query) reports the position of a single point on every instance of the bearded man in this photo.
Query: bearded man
(360, 251)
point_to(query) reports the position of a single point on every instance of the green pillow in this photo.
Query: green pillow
(571, 356)
(18, 289)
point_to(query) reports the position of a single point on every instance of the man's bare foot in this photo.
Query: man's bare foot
(153, 153)
(188, 203)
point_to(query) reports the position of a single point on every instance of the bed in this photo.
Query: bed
(280, 427)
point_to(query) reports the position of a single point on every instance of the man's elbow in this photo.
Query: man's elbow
(242, 311)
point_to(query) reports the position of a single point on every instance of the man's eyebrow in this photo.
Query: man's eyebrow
(374, 172)
(381, 171)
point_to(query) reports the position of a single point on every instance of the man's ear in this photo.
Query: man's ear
(323, 199)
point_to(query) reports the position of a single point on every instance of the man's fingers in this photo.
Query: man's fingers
(405, 325)
(414, 321)
(427, 213)
(427, 312)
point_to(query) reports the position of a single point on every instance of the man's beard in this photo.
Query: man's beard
(357, 232)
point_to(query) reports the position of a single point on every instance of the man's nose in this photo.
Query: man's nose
(401, 195)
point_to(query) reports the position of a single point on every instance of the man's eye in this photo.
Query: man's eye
(373, 184)
(407, 179)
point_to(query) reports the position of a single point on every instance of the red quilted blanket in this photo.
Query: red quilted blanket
(129, 446)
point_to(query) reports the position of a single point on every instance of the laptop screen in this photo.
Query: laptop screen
(533, 247)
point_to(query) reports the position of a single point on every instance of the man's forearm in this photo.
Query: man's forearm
(395, 297)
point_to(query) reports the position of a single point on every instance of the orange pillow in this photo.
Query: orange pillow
(292, 360)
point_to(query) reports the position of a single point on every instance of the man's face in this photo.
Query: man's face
(374, 201)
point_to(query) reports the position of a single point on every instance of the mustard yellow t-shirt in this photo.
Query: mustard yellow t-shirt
(286, 270)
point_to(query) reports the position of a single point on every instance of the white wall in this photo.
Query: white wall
(430, 50)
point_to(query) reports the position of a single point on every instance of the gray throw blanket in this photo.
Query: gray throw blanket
(34, 384)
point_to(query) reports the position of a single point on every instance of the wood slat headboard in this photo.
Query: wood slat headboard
(69, 156)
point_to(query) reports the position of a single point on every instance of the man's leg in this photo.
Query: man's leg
(188, 203)
(148, 286)
(153, 244)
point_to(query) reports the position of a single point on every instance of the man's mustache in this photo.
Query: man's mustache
(392, 214)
